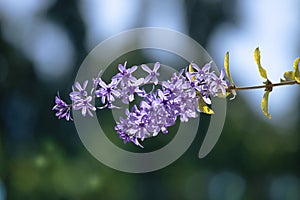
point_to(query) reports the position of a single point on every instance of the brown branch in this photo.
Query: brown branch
(270, 85)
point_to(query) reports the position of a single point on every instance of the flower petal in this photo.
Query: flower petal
(146, 68)
(78, 86)
(85, 84)
(156, 66)
(147, 79)
(132, 69)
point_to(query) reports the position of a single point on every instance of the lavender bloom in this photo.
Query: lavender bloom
(63, 109)
(160, 110)
(205, 92)
(208, 83)
(193, 81)
(107, 93)
(125, 75)
(176, 85)
(131, 127)
(140, 127)
(122, 128)
(127, 127)
(188, 107)
(85, 106)
(202, 74)
(96, 82)
(127, 93)
(177, 98)
(124, 136)
(81, 100)
(153, 74)
(80, 92)
(219, 84)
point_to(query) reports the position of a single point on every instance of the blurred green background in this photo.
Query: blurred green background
(42, 44)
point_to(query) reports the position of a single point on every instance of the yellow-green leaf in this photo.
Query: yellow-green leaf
(226, 66)
(262, 71)
(296, 67)
(289, 76)
(264, 104)
(191, 70)
(203, 107)
(296, 64)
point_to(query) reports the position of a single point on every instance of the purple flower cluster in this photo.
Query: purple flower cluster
(158, 109)
(207, 83)
(81, 99)
(178, 97)
(63, 109)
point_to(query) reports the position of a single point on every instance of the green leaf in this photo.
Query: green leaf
(296, 64)
(296, 68)
(292, 75)
(226, 66)
(264, 104)
(289, 76)
(227, 71)
(297, 78)
(262, 71)
(191, 70)
(203, 107)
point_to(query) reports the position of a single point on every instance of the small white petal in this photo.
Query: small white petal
(83, 112)
(155, 80)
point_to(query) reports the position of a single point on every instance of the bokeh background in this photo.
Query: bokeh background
(43, 43)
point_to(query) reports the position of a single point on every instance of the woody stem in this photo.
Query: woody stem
(270, 85)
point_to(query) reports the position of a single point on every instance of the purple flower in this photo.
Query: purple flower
(126, 138)
(122, 127)
(96, 81)
(153, 74)
(79, 91)
(203, 73)
(125, 75)
(218, 84)
(176, 85)
(107, 93)
(139, 120)
(208, 84)
(127, 93)
(158, 109)
(85, 106)
(126, 129)
(188, 107)
(81, 100)
(193, 81)
(63, 109)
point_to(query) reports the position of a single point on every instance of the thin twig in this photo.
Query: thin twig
(262, 86)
